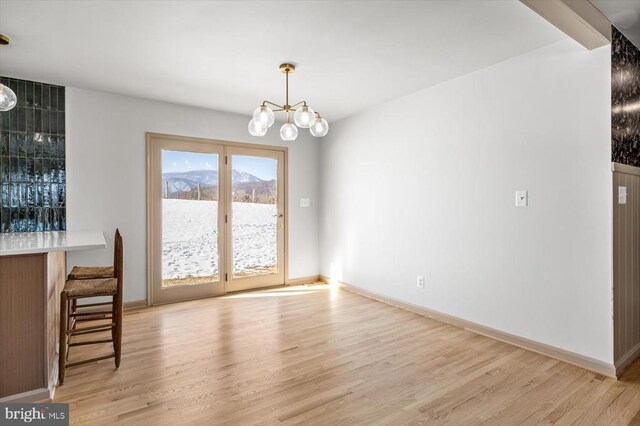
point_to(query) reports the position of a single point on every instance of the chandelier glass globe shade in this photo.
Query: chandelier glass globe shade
(303, 117)
(319, 127)
(288, 132)
(264, 115)
(257, 128)
(8, 98)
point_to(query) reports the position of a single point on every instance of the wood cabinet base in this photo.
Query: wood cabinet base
(30, 288)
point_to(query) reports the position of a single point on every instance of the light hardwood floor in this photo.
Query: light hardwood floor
(320, 356)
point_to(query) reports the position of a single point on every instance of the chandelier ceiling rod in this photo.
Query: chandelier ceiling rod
(286, 69)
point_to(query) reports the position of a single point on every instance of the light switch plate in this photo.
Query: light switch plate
(522, 198)
(305, 202)
(622, 195)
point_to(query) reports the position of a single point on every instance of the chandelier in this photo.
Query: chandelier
(8, 98)
(303, 116)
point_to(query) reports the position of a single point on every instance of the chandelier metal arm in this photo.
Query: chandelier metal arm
(273, 104)
(284, 107)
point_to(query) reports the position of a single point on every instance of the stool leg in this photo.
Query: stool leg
(62, 351)
(117, 342)
(71, 324)
(73, 310)
(114, 315)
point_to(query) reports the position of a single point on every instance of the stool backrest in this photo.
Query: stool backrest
(115, 247)
(118, 261)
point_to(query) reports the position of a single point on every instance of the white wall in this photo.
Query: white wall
(106, 175)
(425, 185)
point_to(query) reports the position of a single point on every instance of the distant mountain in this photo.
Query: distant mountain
(203, 185)
(203, 177)
(207, 177)
(244, 177)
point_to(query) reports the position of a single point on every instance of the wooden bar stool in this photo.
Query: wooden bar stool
(71, 314)
(91, 272)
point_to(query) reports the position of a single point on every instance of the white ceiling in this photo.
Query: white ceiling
(624, 14)
(225, 55)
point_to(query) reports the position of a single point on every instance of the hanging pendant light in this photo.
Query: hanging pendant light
(303, 117)
(257, 128)
(288, 132)
(8, 98)
(319, 127)
(264, 115)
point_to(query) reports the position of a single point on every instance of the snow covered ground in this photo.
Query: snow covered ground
(190, 246)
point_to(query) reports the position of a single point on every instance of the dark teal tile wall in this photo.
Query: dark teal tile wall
(32, 159)
(625, 99)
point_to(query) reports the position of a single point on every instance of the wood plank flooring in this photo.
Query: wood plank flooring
(319, 356)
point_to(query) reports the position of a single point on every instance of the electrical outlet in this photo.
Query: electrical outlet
(420, 282)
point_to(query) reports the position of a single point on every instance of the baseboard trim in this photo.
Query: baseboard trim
(134, 304)
(627, 359)
(36, 395)
(573, 358)
(304, 280)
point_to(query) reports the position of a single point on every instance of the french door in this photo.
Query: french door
(216, 217)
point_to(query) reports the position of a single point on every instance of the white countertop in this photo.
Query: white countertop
(43, 242)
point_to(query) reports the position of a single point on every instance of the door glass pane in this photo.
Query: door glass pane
(255, 215)
(189, 218)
